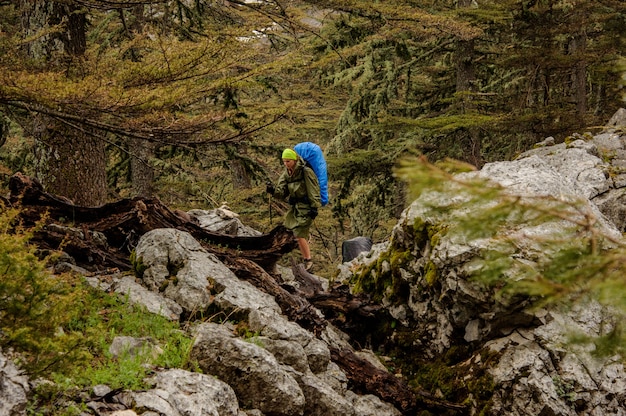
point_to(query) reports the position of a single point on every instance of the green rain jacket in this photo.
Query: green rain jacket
(303, 191)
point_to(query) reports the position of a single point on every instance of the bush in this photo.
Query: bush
(61, 328)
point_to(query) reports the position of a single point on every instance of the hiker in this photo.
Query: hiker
(299, 184)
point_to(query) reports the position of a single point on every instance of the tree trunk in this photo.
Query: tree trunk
(577, 48)
(239, 175)
(40, 17)
(465, 88)
(71, 162)
(238, 172)
(142, 173)
(141, 151)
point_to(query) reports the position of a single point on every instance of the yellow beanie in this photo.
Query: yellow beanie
(290, 154)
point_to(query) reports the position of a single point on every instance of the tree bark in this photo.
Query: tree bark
(465, 88)
(123, 222)
(241, 179)
(71, 161)
(142, 173)
(238, 172)
(577, 48)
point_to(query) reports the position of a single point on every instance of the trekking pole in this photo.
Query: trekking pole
(269, 198)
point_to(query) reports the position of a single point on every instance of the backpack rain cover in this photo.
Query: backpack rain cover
(314, 157)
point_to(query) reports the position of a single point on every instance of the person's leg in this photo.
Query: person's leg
(303, 244)
(302, 236)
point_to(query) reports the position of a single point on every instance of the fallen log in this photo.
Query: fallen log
(122, 223)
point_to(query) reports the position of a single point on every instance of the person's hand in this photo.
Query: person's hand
(270, 188)
(313, 213)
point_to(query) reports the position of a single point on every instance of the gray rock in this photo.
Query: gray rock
(318, 355)
(273, 325)
(286, 352)
(533, 364)
(321, 399)
(259, 381)
(158, 401)
(130, 346)
(14, 388)
(68, 267)
(129, 412)
(618, 119)
(253, 412)
(177, 267)
(173, 262)
(613, 205)
(196, 394)
(153, 301)
(370, 405)
(335, 378)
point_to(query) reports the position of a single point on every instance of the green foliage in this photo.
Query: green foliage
(565, 390)
(61, 328)
(33, 305)
(477, 83)
(137, 265)
(381, 279)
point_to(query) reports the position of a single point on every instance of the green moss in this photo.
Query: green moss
(451, 376)
(381, 278)
(482, 388)
(420, 230)
(173, 269)
(607, 157)
(565, 390)
(398, 259)
(435, 233)
(453, 383)
(137, 265)
(430, 273)
(426, 232)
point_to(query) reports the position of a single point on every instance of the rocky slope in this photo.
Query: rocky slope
(487, 353)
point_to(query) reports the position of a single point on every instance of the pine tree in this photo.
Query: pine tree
(472, 81)
(144, 78)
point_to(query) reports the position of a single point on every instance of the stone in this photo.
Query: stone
(259, 381)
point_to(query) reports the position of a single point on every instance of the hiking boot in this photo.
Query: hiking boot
(308, 264)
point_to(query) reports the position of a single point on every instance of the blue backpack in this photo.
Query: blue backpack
(314, 157)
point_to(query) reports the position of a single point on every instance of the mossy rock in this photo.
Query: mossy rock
(137, 265)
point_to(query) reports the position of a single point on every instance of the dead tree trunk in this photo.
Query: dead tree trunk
(122, 223)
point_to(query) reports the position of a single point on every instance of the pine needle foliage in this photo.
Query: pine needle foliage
(32, 304)
(402, 65)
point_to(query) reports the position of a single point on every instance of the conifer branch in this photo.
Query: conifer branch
(159, 135)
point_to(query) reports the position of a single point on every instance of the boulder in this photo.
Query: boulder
(321, 399)
(195, 394)
(521, 355)
(255, 375)
(154, 302)
(175, 265)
